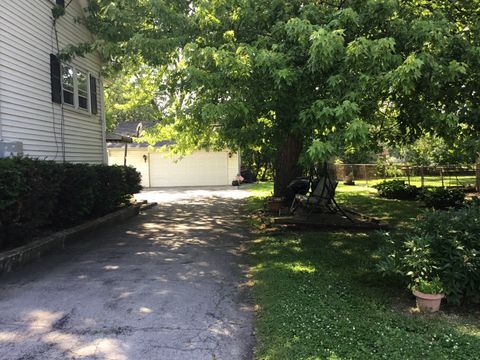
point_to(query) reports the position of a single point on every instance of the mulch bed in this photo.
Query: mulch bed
(323, 221)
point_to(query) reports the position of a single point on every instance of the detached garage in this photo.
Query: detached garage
(159, 169)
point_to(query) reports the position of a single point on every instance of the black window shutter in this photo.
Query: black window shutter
(61, 3)
(93, 94)
(55, 79)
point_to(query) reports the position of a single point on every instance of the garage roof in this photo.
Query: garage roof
(117, 138)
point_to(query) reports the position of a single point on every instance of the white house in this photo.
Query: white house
(159, 169)
(49, 109)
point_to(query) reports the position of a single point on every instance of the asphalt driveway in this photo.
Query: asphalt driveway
(168, 284)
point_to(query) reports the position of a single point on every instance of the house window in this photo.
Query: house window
(68, 85)
(82, 85)
(73, 86)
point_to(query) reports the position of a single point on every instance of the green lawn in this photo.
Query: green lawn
(318, 296)
(428, 181)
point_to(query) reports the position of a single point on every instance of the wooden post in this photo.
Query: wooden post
(408, 174)
(422, 176)
(441, 176)
(478, 173)
(366, 175)
(125, 155)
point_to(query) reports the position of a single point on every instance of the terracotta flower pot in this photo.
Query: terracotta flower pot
(428, 302)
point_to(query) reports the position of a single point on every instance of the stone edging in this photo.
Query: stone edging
(15, 258)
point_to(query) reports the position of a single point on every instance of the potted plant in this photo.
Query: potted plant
(429, 294)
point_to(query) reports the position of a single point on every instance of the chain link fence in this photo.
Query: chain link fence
(423, 176)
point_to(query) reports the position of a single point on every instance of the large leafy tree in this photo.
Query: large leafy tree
(307, 78)
(130, 95)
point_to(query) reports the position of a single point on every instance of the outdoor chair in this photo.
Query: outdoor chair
(320, 199)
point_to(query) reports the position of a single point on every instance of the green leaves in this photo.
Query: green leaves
(321, 151)
(375, 55)
(327, 47)
(348, 73)
(356, 133)
(405, 77)
(133, 95)
(300, 30)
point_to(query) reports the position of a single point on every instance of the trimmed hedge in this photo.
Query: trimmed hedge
(77, 194)
(36, 195)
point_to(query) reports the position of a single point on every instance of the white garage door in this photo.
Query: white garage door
(201, 168)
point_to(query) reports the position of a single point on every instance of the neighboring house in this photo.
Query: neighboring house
(48, 109)
(159, 169)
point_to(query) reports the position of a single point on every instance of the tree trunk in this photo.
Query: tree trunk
(264, 174)
(256, 171)
(286, 164)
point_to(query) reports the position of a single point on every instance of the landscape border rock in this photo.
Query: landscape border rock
(15, 258)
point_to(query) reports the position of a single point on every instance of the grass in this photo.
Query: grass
(259, 192)
(428, 180)
(319, 297)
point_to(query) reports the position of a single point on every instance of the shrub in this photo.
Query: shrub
(28, 190)
(387, 170)
(77, 194)
(440, 198)
(13, 185)
(133, 179)
(443, 244)
(397, 189)
(44, 179)
(36, 194)
(111, 189)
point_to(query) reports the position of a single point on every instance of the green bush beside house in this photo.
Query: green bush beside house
(36, 195)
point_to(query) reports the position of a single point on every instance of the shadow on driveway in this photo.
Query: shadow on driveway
(169, 284)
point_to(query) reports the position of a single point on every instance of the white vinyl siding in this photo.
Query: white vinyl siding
(27, 114)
